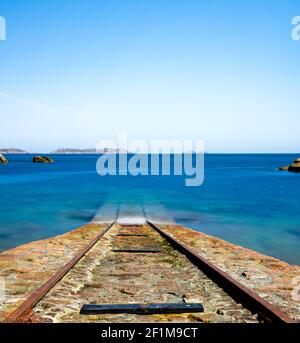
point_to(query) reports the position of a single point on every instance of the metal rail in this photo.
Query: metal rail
(235, 289)
(24, 312)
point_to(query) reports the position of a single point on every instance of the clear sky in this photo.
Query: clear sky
(73, 72)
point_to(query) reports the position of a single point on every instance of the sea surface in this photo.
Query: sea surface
(243, 199)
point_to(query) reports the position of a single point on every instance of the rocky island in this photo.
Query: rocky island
(294, 167)
(12, 151)
(42, 159)
(88, 151)
(3, 160)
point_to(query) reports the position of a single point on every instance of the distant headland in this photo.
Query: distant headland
(66, 151)
(88, 151)
(12, 151)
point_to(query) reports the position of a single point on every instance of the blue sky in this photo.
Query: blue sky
(73, 72)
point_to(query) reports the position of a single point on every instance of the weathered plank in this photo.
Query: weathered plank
(163, 308)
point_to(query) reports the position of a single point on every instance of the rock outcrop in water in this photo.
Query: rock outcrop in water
(294, 167)
(3, 160)
(42, 159)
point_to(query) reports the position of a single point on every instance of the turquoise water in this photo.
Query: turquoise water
(243, 199)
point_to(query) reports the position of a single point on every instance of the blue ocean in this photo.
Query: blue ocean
(243, 199)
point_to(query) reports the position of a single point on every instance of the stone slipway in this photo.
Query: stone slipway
(25, 268)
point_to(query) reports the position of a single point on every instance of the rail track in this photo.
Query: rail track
(140, 265)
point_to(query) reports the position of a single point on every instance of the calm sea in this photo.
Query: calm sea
(244, 199)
